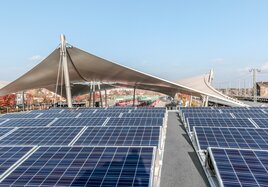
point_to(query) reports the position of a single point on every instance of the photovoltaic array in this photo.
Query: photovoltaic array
(218, 122)
(120, 136)
(84, 166)
(238, 167)
(81, 147)
(234, 141)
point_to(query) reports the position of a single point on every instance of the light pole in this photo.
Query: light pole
(254, 70)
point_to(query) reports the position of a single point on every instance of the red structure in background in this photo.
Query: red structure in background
(8, 100)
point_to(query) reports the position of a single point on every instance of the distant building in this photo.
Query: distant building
(262, 89)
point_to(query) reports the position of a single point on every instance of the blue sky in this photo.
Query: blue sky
(170, 39)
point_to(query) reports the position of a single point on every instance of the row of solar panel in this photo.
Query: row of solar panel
(71, 162)
(83, 115)
(225, 115)
(237, 148)
(239, 167)
(222, 122)
(81, 122)
(102, 110)
(76, 166)
(93, 136)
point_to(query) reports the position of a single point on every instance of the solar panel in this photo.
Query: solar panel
(201, 111)
(251, 115)
(240, 167)
(120, 136)
(64, 115)
(20, 115)
(196, 108)
(2, 120)
(135, 122)
(41, 136)
(3, 131)
(207, 115)
(218, 122)
(153, 109)
(86, 109)
(100, 114)
(244, 138)
(261, 122)
(84, 166)
(79, 122)
(144, 115)
(26, 122)
(10, 155)
(45, 111)
(117, 110)
(149, 110)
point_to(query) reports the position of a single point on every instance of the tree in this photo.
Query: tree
(8, 100)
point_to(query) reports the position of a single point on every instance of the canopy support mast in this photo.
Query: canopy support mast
(65, 70)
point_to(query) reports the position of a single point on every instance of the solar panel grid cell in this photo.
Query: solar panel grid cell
(100, 115)
(41, 136)
(79, 122)
(45, 111)
(207, 115)
(144, 114)
(120, 136)
(135, 122)
(202, 112)
(218, 122)
(3, 131)
(61, 115)
(261, 122)
(241, 167)
(250, 115)
(2, 120)
(10, 155)
(26, 122)
(84, 166)
(244, 138)
(20, 115)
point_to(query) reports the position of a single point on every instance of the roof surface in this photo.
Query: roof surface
(181, 166)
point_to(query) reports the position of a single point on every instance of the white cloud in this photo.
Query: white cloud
(36, 58)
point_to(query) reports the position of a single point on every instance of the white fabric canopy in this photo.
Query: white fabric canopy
(85, 67)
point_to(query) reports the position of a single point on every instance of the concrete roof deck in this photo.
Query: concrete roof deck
(181, 166)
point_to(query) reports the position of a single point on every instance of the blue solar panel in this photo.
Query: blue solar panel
(151, 109)
(10, 155)
(2, 120)
(135, 122)
(120, 136)
(116, 110)
(45, 111)
(244, 138)
(79, 122)
(100, 114)
(86, 109)
(20, 115)
(196, 112)
(3, 131)
(84, 166)
(218, 122)
(250, 115)
(207, 115)
(26, 122)
(262, 122)
(240, 167)
(41, 136)
(62, 115)
(144, 115)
